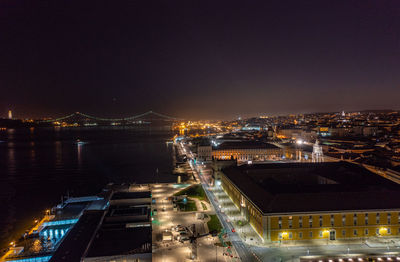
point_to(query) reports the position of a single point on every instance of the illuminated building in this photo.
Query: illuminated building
(317, 154)
(328, 201)
(9, 114)
(242, 151)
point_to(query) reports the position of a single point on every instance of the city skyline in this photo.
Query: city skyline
(10, 115)
(209, 60)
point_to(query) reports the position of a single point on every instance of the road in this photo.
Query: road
(241, 248)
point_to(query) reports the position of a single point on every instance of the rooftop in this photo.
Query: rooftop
(312, 187)
(75, 243)
(131, 195)
(245, 145)
(121, 240)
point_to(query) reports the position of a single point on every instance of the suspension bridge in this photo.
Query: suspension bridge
(147, 117)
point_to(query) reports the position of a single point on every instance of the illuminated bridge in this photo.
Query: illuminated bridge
(145, 118)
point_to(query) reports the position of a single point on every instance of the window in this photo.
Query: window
(301, 235)
(389, 218)
(366, 219)
(344, 233)
(344, 220)
(366, 232)
(310, 221)
(389, 231)
(355, 232)
(321, 234)
(280, 222)
(310, 234)
(377, 231)
(355, 219)
(301, 222)
(332, 220)
(290, 235)
(290, 223)
(280, 235)
(377, 218)
(320, 221)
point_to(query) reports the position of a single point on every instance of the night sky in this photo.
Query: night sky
(198, 59)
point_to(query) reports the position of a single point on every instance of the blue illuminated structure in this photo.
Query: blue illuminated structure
(32, 259)
(60, 222)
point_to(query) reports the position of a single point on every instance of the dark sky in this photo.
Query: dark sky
(198, 59)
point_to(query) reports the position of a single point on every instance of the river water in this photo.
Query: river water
(38, 166)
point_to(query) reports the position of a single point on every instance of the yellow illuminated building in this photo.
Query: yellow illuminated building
(282, 213)
(241, 151)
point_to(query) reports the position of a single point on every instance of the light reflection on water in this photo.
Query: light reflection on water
(38, 166)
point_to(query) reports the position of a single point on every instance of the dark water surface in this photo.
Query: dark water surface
(38, 166)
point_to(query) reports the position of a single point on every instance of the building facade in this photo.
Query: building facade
(312, 225)
(247, 151)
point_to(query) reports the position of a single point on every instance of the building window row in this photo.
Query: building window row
(345, 220)
(326, 234)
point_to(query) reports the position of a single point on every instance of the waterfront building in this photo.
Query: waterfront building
(244, 151)
(314, 202)
(120, 232)
(112, 226)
